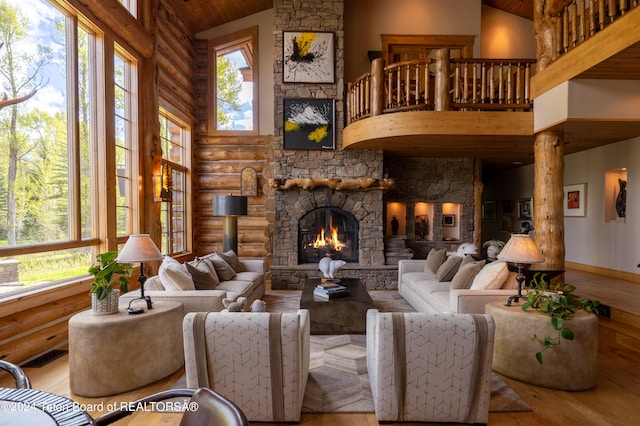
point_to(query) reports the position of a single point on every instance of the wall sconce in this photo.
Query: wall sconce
(163, 184)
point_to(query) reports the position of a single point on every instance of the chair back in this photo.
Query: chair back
(213, 409)
(22, 381)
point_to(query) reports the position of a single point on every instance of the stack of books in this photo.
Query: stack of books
(330, 290)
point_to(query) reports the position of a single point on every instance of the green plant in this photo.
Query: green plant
(109, 272)
(496, 243)
(558, 302)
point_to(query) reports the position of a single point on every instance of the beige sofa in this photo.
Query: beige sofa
(422, 289)
(249, 283)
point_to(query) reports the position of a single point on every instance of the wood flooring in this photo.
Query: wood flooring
(614, 401)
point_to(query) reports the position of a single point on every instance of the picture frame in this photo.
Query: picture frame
(507, 206)
(449, 220)
(506, 223)
(525, 209)
(308, 57)
(575, 200)
(489, 211)
(309, 124)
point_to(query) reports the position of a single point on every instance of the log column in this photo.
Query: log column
(548, 212)
(377, 87)
(442, 80)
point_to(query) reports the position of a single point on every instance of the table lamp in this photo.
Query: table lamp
(140, 248)
(521, 250)
(230, 207)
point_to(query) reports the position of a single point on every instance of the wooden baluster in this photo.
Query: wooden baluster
(612, 10)
(565, 31)
(600, 14)
(474, 82)
(457, 82)
(500, 84)
(427, 85)
(417, 79)
(349, 105)
(492, 92)
(527, 81)
(407, 84)
(519, 84)
(574, 25)
(398, 72)
(623, 6)
(483, 83)
(367, 95)
(592, 19)
(582, 25)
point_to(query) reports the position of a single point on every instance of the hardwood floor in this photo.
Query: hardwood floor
(614, 401)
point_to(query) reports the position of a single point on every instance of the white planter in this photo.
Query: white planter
(106, 306)
(493, 251)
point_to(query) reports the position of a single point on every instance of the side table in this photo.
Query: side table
(570, 366)
(111, 354)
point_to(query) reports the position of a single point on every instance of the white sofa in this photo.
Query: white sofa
(425, 293)
(250, 284)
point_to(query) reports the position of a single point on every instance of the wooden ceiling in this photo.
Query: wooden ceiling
(201, 15)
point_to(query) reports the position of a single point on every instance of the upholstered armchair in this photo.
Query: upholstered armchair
(260, 361)
(430, 367)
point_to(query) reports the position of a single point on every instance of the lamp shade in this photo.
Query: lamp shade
(521, 249)
(229, 205)
(139, 248)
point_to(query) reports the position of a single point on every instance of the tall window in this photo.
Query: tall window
(233, 89)
(125, 142)
(50, 178)
(174, 137)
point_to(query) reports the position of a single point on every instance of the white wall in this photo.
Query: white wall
(264, 22)
(506, 36)
(589, 240)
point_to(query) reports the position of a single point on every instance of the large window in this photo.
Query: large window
(58, 153)
(233, 89)
(174, 137)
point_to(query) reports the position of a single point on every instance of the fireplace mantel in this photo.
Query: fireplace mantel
(344, 184)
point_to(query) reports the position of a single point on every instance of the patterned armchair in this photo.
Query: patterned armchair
(430, 367)
(260, 361)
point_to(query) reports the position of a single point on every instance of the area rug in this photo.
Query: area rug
(338, 381)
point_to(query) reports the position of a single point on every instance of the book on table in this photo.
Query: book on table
(330, 293)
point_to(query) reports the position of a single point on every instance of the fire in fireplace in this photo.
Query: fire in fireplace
(328, 231)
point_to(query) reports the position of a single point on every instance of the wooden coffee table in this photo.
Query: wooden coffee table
(343, 315)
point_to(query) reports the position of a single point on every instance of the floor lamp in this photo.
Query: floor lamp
(140, 248)
(521, 250)
(230, 207)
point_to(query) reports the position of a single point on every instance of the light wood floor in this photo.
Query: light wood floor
(614, 401)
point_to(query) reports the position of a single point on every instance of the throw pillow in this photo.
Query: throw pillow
(435, 258)
(465, 275)
(467, 259)
(204, 277)
(223, 269)
(492, 276)
(174, 276)
(448, 269)
(231, 258)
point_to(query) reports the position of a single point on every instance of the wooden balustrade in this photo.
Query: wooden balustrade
(465, 84)
(491, 84)
(581, 19)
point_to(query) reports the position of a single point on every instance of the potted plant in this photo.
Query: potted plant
(558, 302)
(493, 248)
(106, 273)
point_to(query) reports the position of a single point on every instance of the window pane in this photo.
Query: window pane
(85, 48)
(234, 89)
(34, 150)
(124, 143)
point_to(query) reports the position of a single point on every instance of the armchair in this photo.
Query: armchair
(430, 367)
(258, 360)
(22, 381)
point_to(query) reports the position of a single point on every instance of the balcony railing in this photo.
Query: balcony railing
(441, 85)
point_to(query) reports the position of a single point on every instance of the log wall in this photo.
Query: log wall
(217, 164)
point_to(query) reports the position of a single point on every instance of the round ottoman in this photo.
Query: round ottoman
(111, 354)
(570, 366)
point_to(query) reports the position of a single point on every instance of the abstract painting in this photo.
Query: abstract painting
(308, 57)
(309, 124)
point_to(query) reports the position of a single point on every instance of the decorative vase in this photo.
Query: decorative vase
(106, 306)
(493, 251)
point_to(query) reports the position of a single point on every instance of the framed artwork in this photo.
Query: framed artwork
(507, 206)
(506, 224)
(575, 200)
(308, 57)
(448, 220)
(309, 124)
(525, 209)
(489, 211)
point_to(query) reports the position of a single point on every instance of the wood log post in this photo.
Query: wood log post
(151, 148)
(442, 80)
(377, 87)
(548, 212)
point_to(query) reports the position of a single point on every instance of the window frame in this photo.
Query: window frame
(229, 43)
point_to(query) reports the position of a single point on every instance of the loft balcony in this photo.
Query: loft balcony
(484, 108)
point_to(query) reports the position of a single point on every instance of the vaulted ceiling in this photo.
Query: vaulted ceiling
(201, 15)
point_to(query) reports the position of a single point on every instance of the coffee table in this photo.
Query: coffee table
(343, 315)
